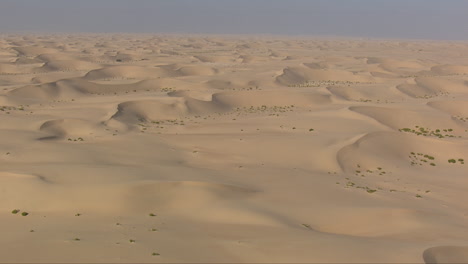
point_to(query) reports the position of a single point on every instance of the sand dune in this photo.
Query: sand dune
(137, 111)
(393, 150)
(30, 51)
(75, 87)
(401, 67)
(127, 57)
(454, 108)
(393, 63)
(222, 84)
(300, 75)
(27, 60)
(179, 107)
(137, 72)
(57, 56)
(271, 98)
(361, 222)
(67, 66)
(174, 148)
(196, 70)
(127, 72)
(429, 87)
(322, 65)
(9, 69)
(450, 69)
(367, 93)
(252, 59)
(398, 118)
(215, 59)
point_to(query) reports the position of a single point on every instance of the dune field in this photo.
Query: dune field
(168, 148)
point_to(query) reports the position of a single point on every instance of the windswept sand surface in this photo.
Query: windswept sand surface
(138, 148)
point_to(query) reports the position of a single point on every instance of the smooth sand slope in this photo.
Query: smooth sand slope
(143, 148)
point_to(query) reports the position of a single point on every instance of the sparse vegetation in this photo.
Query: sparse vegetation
(7, 109)
(367, 172)
(168, 89)
(75, 139)
(461, 161)
(325, 83)
(421, 159)
(460, 118)
(440, 133)
(434, 94)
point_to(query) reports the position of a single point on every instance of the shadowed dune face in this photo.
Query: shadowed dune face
(446, 254)
(164, 148)
(60, 65)
(132, 112)
(72, 128)
(30, 51)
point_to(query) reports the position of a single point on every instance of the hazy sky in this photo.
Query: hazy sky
(417, 19)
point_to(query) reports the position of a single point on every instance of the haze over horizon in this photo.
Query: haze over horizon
(417, 19)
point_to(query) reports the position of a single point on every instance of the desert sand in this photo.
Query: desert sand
(168, 148)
